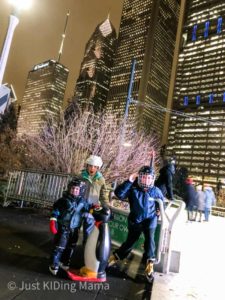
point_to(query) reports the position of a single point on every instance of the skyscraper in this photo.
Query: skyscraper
(199, 141)
(93, 82)
(43, 96)
(147, 33)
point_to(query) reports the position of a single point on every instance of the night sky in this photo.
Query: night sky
(37, 37)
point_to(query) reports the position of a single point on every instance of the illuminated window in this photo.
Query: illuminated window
(210, 98)
(194, 32)
(198, 99)
(219, 25)
(185, 100)
(206, 30)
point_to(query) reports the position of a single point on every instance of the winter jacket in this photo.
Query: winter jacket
(210, 198)
(190, 196)
(142, 204)
(165, 181)
(68, 210)
(96, 192)
(200, 200)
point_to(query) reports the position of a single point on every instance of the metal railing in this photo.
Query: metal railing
(35, 187)
(218, 211)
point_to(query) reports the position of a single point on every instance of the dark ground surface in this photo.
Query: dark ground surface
(24, 256)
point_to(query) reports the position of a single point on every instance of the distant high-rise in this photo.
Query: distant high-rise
(147, 33)
(43, 97)
(92, 85)
(200, 92)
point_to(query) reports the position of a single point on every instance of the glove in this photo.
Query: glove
(53, 226)
(133, 177)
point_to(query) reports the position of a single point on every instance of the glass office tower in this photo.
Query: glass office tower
(92, 85)
(199, 144)
(43, 96)
(147, 33)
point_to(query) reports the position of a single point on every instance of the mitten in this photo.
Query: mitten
(53, 225)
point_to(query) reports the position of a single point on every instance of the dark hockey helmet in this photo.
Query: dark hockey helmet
(78, 181)
(146, 170)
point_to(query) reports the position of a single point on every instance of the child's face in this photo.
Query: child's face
(75, 191)
(147, 179)
(92, 170)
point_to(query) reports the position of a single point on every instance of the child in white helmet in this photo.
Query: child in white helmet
(96, 191)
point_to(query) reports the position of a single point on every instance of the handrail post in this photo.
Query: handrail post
(166, 229)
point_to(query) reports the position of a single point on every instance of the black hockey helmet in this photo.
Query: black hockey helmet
(78, 181)
(146, 170)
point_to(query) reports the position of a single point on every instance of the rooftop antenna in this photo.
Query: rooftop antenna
(63, 37)
(108, 17)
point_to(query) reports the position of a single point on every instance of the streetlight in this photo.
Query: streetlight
(128, 101)
(122, 142)
(13, 22)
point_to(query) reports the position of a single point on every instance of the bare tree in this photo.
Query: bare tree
(65, 148)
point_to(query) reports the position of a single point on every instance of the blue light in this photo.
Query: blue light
(223, 96)
(194, 32)
(206, 30)
(185, 100)
(198, 99)
(210, 98)
(219, 25)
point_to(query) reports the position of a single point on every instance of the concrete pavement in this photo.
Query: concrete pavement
(202, 266)
(24, 256)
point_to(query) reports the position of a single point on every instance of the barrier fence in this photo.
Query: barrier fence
(44, 188)
(35, 187)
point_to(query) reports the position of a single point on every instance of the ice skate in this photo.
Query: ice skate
(53, 270)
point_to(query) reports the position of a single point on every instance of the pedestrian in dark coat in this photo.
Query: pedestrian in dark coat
(165, 180)
(190, 198)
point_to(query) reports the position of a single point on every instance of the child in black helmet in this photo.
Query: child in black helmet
(65, 223)
(141, 194)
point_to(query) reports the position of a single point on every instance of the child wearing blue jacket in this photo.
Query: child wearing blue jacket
(144, 211)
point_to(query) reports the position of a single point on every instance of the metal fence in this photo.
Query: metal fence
(35, 187)
(218, 211)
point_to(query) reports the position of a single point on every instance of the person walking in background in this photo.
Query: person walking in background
(200, 202)
(190, 198)
(144, 211)
(96, 190)
(210, 200)
(219, 188)
(165, 180)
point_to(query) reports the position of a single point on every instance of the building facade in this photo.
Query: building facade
(147, 34)
(43, 96)
(92, 85)
(198, 141)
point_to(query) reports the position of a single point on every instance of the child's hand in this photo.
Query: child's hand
(53, 226)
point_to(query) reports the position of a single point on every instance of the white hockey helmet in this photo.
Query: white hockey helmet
(94, 160)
